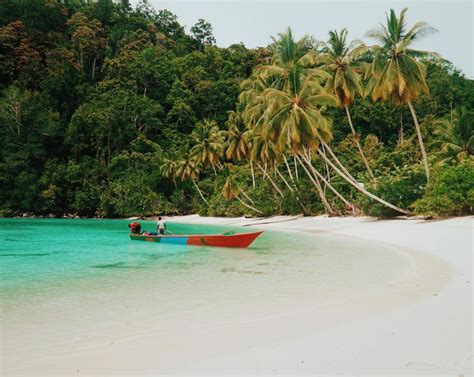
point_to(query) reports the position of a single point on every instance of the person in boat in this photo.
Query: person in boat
(135, 227)
(160, 226)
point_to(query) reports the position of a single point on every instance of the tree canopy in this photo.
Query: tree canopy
(110, 110)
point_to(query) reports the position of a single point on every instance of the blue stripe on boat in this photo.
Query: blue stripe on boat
(175, 240)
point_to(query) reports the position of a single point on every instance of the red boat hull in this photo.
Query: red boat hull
(241, 240)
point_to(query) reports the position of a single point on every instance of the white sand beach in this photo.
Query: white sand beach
(419, 325)
(412, 316)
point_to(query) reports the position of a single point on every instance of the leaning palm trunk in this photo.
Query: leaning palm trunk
(248, 205)
(200, 193)
(288, 168)
(296, 169)
(295, 191)
(316, 184)
(339, 163)
(328, 174)
(331, 187)
(253, 173)
(420, 141)
(248, 197)
(283, 179)
(271, 180)
(360, 188)
(361, 152)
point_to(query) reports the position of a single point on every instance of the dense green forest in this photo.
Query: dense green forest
(112, 111)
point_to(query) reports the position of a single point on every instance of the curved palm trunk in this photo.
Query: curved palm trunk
(271, 180)
(200, 193)
(248, 205)
(331, 187)
(316, 184)
(420, 141)
(361, 189)
(361, 152)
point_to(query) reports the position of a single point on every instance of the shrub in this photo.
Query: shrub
(450, 192)
(401, 188)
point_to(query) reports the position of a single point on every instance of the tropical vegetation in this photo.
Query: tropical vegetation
(110, 111)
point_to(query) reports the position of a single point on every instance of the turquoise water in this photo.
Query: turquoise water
(44, 258)
(39, 252)
(82, 287)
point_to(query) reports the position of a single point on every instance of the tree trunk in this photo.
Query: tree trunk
(248, 197)
(315, 171)
(356, 138)
(296, 168)
(328, 173)
(288, 168)
(253, 173)
(199, 191)
(284, 179)
(316, 184)
(271, 180)
(247, 205)
(420, 141)
(361, 189)
(93, 67)
(401, 138)
(295, 191)
(339, 163)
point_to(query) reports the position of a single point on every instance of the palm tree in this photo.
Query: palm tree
(238, 140)
(188, 168)
(396, 72)
(289, 112)
(339, 60)
(209, 145)
(456, 138)
(168, 169)
(232, 190)
(237, 143)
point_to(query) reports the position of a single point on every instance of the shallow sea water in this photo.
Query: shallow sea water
(69, 283)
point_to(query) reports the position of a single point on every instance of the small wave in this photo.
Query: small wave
(24, 254)
(118, 265)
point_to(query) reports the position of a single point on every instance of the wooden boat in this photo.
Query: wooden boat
(242, 240)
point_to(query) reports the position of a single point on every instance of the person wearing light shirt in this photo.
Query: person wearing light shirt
(160, 226)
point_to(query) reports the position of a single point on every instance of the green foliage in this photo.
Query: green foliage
(399, 187)
(109, 110)
(450, 193)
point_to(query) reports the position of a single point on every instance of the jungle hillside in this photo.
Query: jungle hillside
(109, 110)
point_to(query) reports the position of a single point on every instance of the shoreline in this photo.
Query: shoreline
(441, 315)
(418, 321)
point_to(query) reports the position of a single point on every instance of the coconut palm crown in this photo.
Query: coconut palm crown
(455, 139)
(209, 145)
(397, 74)
(340, 60)
(286, 101)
